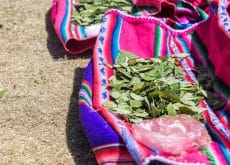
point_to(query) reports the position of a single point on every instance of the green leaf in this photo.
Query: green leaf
(135, 80)
(115, 93)
(170, 109)
(135, 103)
(189, 103)
(137, 97)
(135, 120)
(187, 110)
(169, 95)
(110, 105)
(188, 96)
(90, 12)
(124, 109)
(138, 86)
(141, 113)
(124, 57)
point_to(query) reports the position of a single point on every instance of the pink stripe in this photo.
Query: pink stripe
(97, 88)
(179, 46)
(87, 83)
(77, 32)
(108, 45)
(222, 119)
(61, 9)
(214, 147)
(223, 139)
(163, 46)
(69, 20)
(82, 102)
(97, 80)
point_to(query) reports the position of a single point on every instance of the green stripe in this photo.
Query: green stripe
(210, 156)
(184, 5)
(157, 41)
(84, 100)
(203, 51)
(203, 14)
(179, 5)
(87, 89)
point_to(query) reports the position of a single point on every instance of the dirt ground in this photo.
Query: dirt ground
(39, 121)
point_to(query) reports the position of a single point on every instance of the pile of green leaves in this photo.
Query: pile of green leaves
(91, 11)
(149, 88)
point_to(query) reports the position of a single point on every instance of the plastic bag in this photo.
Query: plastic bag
(172, 134)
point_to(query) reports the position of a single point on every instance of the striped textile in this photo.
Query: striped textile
(106, 144)
(108, 147)
(75, 39)
(206, 37)
(148, 37)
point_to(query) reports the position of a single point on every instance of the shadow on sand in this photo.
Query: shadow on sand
(76, 140)
(54, 45)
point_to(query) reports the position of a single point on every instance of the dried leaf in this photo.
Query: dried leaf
(149, 88)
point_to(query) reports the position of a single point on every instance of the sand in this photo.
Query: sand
(39, 121)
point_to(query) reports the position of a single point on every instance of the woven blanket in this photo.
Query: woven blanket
(199, 28)
(78, 38)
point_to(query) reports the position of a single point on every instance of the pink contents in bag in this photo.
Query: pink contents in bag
(172, 134)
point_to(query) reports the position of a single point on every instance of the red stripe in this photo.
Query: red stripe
(223, 139)
(108, 45)
(97, 80)
(163, 46)
(69, 20)
(110, 25)
(82, 102)
(115, 155)
(170, 48)
(179, 46)
(87, 83)
(223, 119)
(76, 29)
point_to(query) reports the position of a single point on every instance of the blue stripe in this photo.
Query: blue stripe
(186, 49)
(82, 31)
(225, 115)
(65, 21)
(128, 139)
(167, 45)
(225, 153)
(213, 134)
(115, 39)
(184, 44)
(219, 141)
(214, 8)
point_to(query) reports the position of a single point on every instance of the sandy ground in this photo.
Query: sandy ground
(39, 121)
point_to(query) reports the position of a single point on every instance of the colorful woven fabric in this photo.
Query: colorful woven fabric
(202, 33)
(75, 39)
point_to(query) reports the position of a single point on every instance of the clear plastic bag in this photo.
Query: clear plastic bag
(172, 134)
